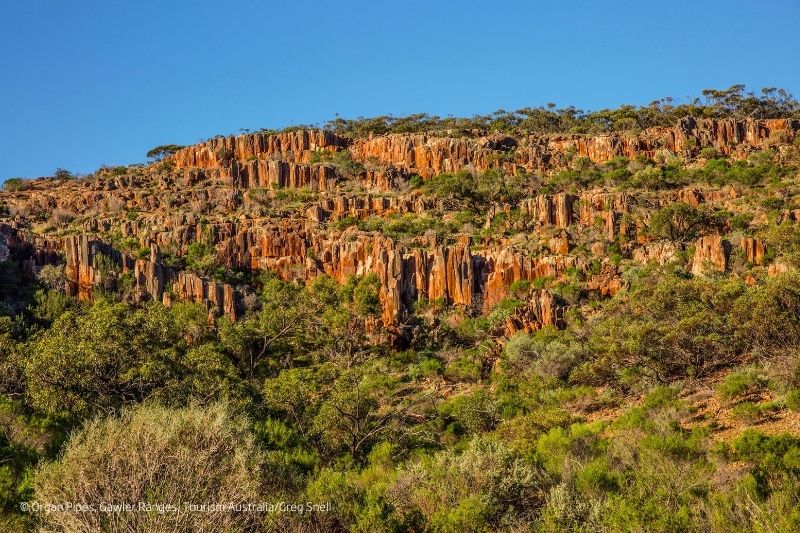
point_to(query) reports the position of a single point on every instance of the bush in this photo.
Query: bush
(62, 174)
(16, 184)
(52, 277)
(793, 400)
(75, 367)
(670, 329)
(741, 383)
(157, 456)
(488, 487)
(165, 150)
(680, 222)
(201, 257)
(476, 413)
(549, 353)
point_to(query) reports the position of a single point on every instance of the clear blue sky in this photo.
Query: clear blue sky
(86, 83)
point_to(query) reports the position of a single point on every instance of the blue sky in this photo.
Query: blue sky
(86, 83)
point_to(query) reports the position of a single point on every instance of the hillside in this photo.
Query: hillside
(464, 326)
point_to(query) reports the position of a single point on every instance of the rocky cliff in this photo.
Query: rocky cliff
(270, 202)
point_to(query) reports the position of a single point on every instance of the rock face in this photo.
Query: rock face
(661, 252)
(540, 310)
(712, 253)
(361, 207)
(428, 155)
(219, 298)
(293, 146)
(267, 202)
(92, 264)
(754, 250)
(243, 159)
(31, 251)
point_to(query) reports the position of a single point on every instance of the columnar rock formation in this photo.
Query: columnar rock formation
(198, 198)
(361, 207)
(219, 298)
(754, 250)
(711, 253)
(92, 264)
(293, 146)
(588, 209)
(540, 310)
(428, 155)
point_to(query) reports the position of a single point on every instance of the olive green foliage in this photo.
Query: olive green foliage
(488, 486)
(197, 455)
(477, 191)
(341, 160)
(677, 327)
(16, 184)
(399, 226)
(63, 174)
(201, 257)
(160, 152)
(76, 367)
(447, 422)
(682, 222)
(333, 415)
(714, 103)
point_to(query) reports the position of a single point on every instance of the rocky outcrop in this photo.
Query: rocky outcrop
(711, 253)
(607, 282)
(551, 210)
(694, 196)
(361, 207)
(428, 155)
(92, 264)
(661, 252)
(226, 193)
(560, 244)
(589, 209)
(292, 146)
(540, 309)
(29, 251)
(220, 299)
(754, 250)
(275, 175)
(408, 272)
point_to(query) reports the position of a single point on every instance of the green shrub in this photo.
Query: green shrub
(16, 184)
(477, 413)
(464, 368)
(62, 174)
(159, 456)
(660, 396)
(740, 383)
(489, 486)
(793, 400)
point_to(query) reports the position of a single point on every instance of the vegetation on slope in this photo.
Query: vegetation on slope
(454, 434)
(671, 406)
(714, 103)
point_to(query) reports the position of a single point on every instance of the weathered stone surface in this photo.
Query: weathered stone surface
(293, 146)
(607, 283)
(203, 200)
(218, 298)
(560, 243)
(538, 311)
(360, 207)
(712, 252)
(661, 252)
(428, 155)
(754, 250)
(91, 263)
